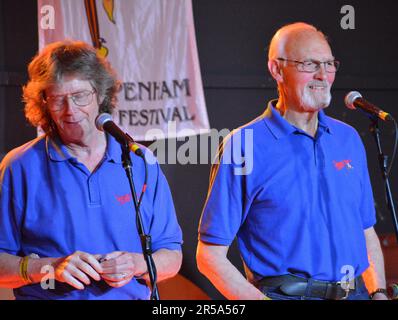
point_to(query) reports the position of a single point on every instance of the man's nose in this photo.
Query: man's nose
(321, 72)
(69, 105)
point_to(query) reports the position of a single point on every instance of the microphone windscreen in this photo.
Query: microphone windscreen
(101, 119)
(350, 98)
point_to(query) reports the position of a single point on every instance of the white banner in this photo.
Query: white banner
(152, 46)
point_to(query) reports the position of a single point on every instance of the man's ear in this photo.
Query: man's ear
(275, 70)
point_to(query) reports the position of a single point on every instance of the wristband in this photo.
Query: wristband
(23, 270)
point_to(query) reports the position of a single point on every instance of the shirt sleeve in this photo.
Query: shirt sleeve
(367, 207)
(9, 212)
(226, 205)
(164, 230)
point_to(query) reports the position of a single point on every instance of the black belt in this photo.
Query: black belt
(296, 286)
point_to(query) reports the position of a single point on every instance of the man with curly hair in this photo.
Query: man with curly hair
(65, 202)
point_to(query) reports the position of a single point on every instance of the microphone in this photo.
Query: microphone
(354, 100)
(104, 122)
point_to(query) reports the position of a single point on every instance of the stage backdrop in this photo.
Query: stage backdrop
(152, 46)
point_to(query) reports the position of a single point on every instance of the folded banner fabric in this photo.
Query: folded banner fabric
(152, 46)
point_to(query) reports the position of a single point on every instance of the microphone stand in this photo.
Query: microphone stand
(383, 161)
(146, 243)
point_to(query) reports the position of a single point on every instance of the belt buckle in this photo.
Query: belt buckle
(346, 286)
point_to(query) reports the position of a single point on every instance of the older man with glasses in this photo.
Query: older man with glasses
(304, 216)
(67, 219)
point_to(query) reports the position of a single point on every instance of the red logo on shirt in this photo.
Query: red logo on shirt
(339, 165)
(124, 199)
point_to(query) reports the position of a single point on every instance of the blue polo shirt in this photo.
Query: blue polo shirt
(51, 205)
(297, 204)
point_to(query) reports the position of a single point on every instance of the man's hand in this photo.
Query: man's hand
(119, 267)
(379, 296)
(77, 269)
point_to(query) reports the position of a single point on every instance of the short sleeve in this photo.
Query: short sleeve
(226, 204)
(367, 207)
(9, 214)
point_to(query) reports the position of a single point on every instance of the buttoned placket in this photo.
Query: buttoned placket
(92, 182)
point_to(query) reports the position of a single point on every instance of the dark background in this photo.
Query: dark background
(232, 38)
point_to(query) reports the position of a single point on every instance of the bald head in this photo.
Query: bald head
(292, 36)
(291, 47)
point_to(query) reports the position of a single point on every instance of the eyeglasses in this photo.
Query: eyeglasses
(313, 65)
(80, 99)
